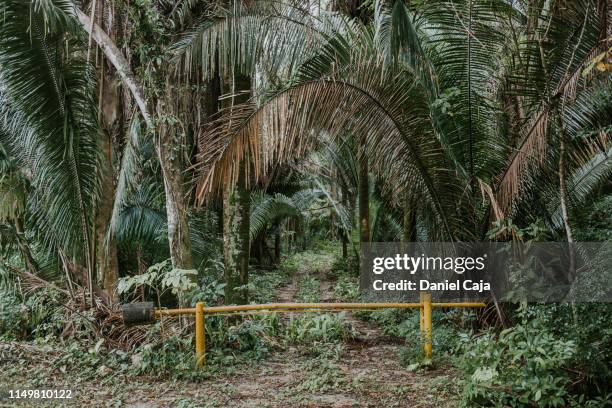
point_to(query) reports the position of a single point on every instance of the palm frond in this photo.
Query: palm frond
(128, 175)
(141, 217)
(288, 125)
(267, 209)
(581, 184)
(277, 36)
(576, 40)
(48, 108)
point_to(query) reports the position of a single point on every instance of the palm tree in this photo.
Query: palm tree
(446, 115)
(432, 87)
(49, 125)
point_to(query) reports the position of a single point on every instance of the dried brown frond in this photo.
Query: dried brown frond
(487, 191)
(532, 149)
(382, 107)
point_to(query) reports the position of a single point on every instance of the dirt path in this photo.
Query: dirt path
(369, 373)
(366, 372)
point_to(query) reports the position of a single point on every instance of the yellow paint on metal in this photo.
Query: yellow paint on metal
(459, 304)
(427, 326)
(288, 307)
(200, 335)
(308, 306)
(421, 316)
(174, 312)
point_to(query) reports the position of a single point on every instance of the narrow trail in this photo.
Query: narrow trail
(369, 362)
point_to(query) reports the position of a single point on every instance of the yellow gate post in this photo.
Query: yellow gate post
(426, 325)
(421, 316)
(200, 335)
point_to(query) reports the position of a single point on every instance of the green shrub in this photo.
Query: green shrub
(345, 267)
(251, 336)
(307, 262)
(12, 320)
(323, 373)
(588, 326)
(263, 285)
(392, 321)
(308, 290)
(172, 357)
(318, 327)
(531, 364)
(34, 316)
(347, 289)
(90, 361)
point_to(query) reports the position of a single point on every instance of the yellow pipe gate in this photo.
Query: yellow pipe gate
(200, 311)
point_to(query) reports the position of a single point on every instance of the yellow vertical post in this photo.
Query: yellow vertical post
(200, 335)
(426, 324)
(421, 316)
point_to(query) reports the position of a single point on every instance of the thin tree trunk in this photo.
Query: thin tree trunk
(334, 197)
(111, 114)
(236, 246)
(277, 245)
(212, 108)
(410, 213)
(237, 221)
(343, 232)
(364, 195)
(564, 213)
(106, 250)
(168, 151)
(355, 10)
(178, 227)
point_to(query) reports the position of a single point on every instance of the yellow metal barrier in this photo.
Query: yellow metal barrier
(200, 335)
(425, 306)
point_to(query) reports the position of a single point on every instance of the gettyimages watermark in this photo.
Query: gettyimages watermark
(509, 272)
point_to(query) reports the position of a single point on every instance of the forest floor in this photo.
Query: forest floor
(367, 372)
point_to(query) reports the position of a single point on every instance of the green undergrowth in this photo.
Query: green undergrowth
(308, 290)
(548, 359)
(263, 285)
(324, 372)
(318, 327)
(317, 259)
(233, 341)
(549, 356)
(344, 267)
(346, 289)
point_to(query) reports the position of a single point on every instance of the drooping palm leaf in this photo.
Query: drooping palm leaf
(550, 78)
(287, 126)
(277, 36)
(49, 110)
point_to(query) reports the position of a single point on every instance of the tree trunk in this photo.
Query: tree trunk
(115, 57)
(212, 108)
(564, 213)
(277, 245)
(168, 151)
(237, 220)
(410, 220)
(106, 250)
(111, 121)
(343, 232)
(334, 197)
(236, 246)
(364, 195)
(356, 10)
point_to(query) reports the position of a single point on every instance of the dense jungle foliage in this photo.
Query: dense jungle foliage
(237, 152)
